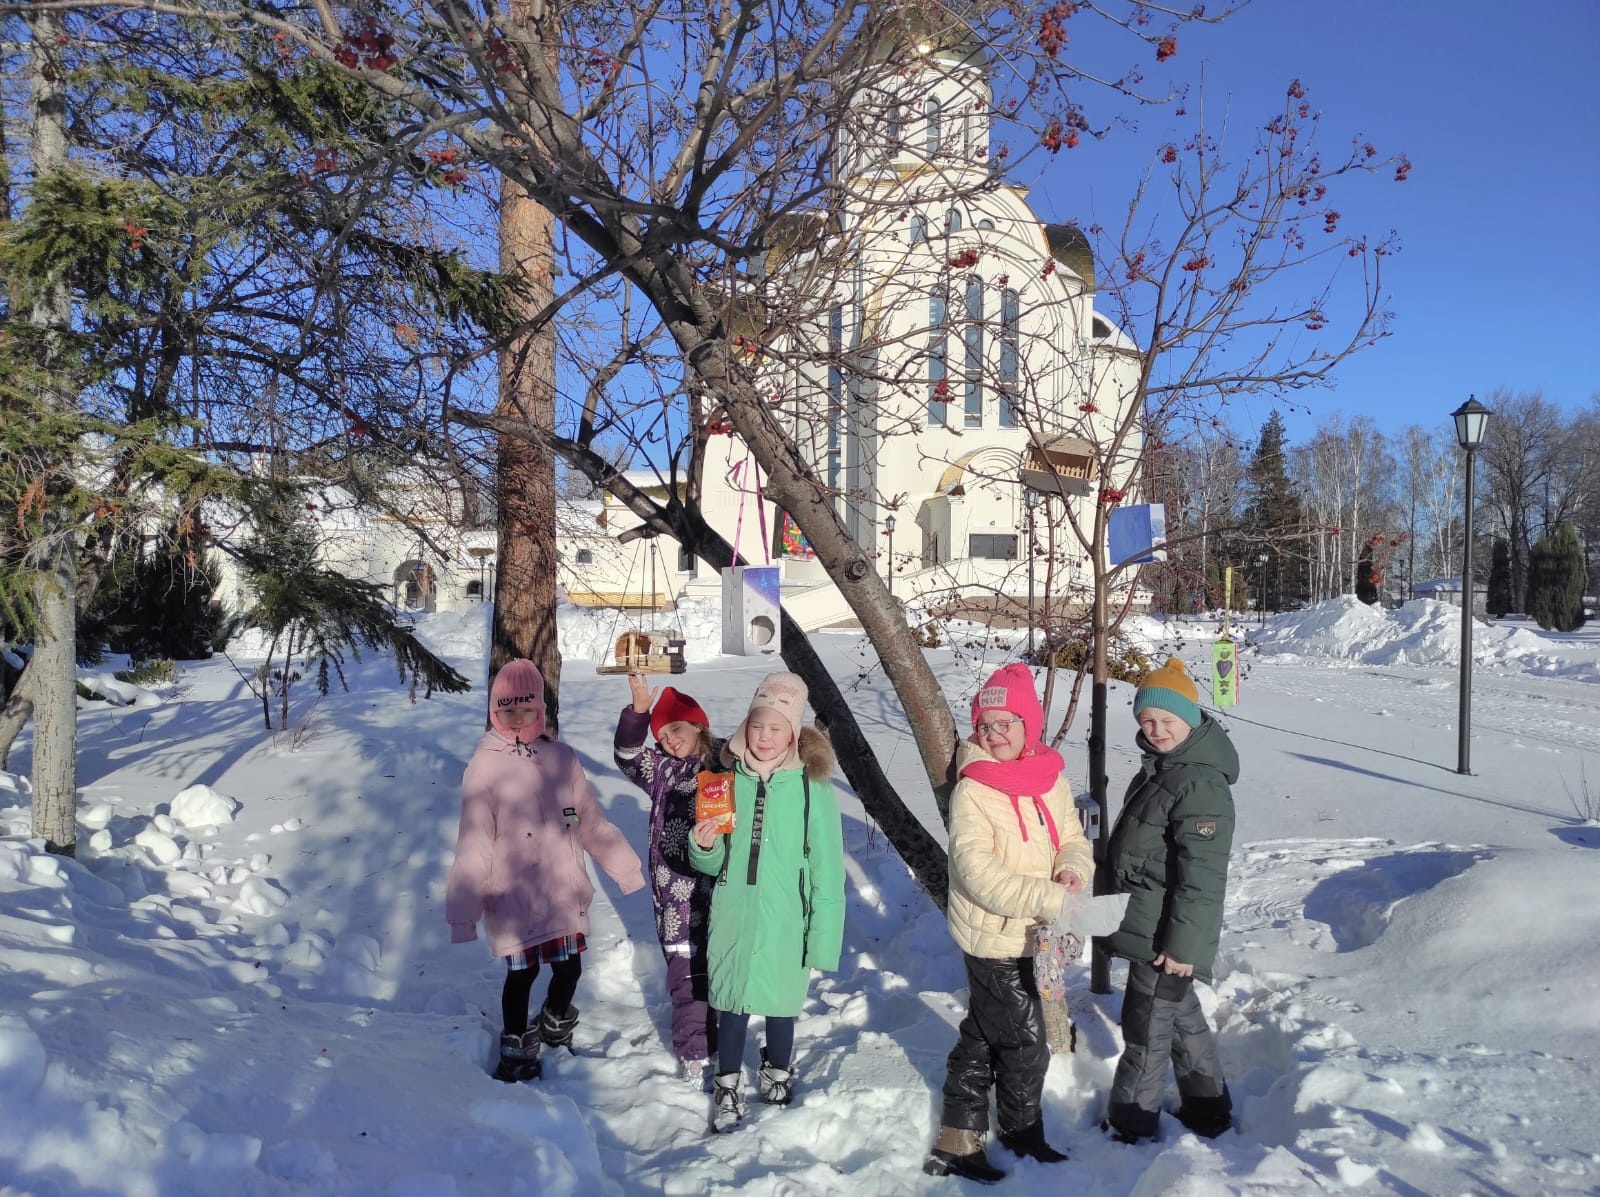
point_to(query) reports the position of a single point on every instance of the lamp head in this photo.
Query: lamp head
(1472, 420)
(888, 523)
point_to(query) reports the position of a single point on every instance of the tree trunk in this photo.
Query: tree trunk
(53, 669)
(525, 581)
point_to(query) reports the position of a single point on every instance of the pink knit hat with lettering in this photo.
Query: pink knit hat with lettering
(1010, 688)
(518, 684)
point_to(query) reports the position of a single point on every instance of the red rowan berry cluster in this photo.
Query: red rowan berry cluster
(369, 48)
(1053, 27)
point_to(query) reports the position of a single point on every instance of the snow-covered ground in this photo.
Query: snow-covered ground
(244, 984)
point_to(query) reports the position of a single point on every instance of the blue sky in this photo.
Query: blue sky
(1496, 285)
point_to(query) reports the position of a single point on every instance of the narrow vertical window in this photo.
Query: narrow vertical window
(896, 119)
(835, 396)
(1010, 363)
(919, 229)
(938, 363)
(952, 221)
(972, 337)
(932, 134)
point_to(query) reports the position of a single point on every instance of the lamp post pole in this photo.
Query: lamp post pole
(1471, 418)
(1261, 614)
(1029, 498)
(1464, 730)
(888, 528)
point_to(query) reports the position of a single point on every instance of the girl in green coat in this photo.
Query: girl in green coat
(777, 911)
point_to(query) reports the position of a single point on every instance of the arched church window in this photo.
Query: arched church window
(931, 133)
(972, 338)
(896, 119)
(952, 221)
(986, 224)
(919, 229)
(1010, 356)
(938, 359)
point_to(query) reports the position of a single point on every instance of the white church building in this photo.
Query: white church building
(951, 343)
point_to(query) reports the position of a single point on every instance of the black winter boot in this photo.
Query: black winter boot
(958, 1152)
(1029, 1143)
(519, 1058)
(556, 1030)
(1207, 1117)
(1122, 1134)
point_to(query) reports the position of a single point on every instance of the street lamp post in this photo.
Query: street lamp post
(1471, 418)
(1261, 615)
(888, 529)
(1030, 499)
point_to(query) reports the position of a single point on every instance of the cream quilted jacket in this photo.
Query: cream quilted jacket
(999, 882)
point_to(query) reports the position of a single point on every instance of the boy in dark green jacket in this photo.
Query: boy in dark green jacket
(1169, 853)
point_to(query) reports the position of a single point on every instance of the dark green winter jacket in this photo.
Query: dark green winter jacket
(1169, 850)
(777, 910)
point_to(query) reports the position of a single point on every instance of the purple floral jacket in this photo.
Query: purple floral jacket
(681, 895)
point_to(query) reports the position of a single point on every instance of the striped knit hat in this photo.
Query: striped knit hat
(1169, 689)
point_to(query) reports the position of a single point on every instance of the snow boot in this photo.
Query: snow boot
(1207, 1117)
(777, 1084)
(697, 1073)
(556, 1030)
(1122, 1135)
(727, 1103)
(958, 1152)
(1029, 1143)
(519, 1058)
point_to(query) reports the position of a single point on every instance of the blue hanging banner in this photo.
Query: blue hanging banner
(1136, 535)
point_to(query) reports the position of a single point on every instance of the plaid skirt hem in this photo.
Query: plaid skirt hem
(551, 951)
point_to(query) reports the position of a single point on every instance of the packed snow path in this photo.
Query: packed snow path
(245, 985)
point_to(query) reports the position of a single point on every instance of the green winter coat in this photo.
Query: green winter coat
(1169, 850)
(774, 921)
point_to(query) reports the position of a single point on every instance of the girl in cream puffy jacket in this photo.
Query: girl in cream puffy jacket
(1005, 868)
(1016, 852)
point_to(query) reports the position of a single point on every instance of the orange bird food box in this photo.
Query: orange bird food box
(713, 799)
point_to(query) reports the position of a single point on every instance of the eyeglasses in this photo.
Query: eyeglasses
(1000, 727)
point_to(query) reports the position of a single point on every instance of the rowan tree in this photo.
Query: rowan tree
(679, 150)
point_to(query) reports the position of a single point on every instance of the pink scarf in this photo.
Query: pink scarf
(1031, 775)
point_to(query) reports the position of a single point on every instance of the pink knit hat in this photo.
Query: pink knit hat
(518, 684)
(1010, 688)
(786, 694)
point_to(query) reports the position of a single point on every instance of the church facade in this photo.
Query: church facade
(941, 364)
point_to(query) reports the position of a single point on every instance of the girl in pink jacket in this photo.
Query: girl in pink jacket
(528, 815)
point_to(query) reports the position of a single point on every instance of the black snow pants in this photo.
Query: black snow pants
(1162, 1021)
(1002, 1045)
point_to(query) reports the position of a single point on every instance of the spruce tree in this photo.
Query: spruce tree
(1556, 579)
(1498, 600)
(314, 616)
(1272, 514)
